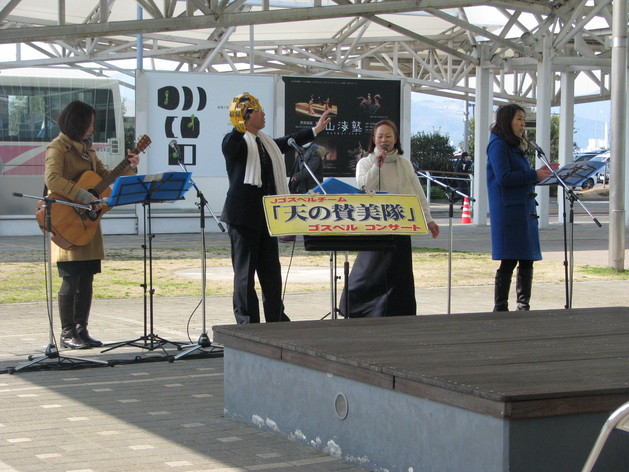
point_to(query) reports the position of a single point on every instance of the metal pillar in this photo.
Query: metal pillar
(566, 131)
(617, 182)
(542, 129)
(483, 116)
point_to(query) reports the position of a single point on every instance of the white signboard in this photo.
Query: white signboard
(193, 111)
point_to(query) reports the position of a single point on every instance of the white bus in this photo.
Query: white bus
(29, 107)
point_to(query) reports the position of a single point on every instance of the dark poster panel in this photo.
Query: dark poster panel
(358, 104)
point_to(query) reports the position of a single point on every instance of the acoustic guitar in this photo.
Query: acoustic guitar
(73, 227)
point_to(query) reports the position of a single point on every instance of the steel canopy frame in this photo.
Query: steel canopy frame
(431, 44)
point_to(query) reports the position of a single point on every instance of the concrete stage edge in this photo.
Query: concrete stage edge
(479, 392)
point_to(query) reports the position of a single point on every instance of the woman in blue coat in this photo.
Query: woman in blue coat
(512, 206)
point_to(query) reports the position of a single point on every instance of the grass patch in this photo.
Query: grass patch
(23, 273)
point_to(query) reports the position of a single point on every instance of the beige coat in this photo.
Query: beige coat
(66, 160)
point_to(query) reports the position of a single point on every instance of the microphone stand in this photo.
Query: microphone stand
(451, 192)
(568, 246)
(333, 310)
(204, 341)
(51, 351)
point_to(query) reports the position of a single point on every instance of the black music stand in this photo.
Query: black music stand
(344, 243)
(167, 186)
(574, 173)
(569, 176)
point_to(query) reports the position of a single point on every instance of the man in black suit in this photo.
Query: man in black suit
(255, 167)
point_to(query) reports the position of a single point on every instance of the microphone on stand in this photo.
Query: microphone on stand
(536, 147)
(291, 142)
(174, 147)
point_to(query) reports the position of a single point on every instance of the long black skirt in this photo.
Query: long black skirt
(381, 283)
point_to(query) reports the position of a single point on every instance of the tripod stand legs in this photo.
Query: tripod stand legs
(202, 344)
(51, 353)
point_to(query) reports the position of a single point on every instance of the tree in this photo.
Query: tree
(471, 126)
(431, 151)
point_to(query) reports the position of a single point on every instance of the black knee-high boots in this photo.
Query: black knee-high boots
(502, 284)
(523, 286)
(69, 335)
(82, 305)
(74, 311)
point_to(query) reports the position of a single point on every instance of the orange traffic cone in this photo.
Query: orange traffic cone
(466, 217)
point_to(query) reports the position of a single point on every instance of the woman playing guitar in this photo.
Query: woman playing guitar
(69, 156)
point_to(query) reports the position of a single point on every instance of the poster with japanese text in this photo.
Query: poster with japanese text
(357, 105)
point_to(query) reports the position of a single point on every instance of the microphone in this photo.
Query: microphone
(100, 201)
(16, 194)
(536, 147)
(380, 156)
(295, 146)
(175, 149)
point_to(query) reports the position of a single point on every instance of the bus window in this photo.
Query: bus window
(29, 109)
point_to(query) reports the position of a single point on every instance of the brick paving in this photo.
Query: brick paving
(147, 414)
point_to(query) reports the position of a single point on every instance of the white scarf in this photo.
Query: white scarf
(253, 171)
(405, 171)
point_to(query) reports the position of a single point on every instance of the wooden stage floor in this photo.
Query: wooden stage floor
(510, 366)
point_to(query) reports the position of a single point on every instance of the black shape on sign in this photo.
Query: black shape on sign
(168, 126)
(190, 127)
(187, 98)
(187, 152)
(168, 97)
(202, 99)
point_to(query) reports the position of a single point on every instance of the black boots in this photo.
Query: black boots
(82, 305)
(502, 283)
(69, 335)
(84, 335)
(523, 285)
(74, 311)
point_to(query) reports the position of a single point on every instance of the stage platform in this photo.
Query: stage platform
(490, 392)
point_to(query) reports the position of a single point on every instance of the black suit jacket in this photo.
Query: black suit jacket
(243, 204)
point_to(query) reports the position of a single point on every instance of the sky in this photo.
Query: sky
(447, 116)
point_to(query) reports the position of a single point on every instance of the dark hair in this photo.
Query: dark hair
(397, 145)
(502, 127)
(75, 119)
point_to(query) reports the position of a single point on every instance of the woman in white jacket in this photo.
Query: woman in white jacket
(381, 282)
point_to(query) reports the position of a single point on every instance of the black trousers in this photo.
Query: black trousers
(256, 252)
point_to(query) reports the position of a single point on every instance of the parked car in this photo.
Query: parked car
(598, 177)
(586, 155)
(603, 175)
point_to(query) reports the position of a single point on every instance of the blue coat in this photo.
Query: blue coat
(512, 205)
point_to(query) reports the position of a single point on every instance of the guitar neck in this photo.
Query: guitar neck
(142, 144)
(113, 175)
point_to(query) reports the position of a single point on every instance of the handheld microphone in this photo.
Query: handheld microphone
(384, 149)
(174, 147)
(291, 142)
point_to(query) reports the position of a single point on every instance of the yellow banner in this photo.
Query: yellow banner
(341, 214)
